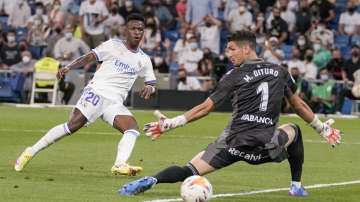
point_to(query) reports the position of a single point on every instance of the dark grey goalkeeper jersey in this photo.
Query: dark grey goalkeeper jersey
(257, 88)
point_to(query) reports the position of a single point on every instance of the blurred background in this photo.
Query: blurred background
(316, 40)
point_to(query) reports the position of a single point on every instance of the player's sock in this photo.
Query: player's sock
(125, 146)
(53, 135)
(296, 155)
(176, 174)
(297, 184)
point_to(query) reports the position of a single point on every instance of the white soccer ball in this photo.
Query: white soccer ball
(196, 189)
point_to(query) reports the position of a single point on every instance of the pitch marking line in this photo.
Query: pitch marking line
(315, 186)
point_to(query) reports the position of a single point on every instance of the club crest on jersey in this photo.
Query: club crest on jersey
(124, 68)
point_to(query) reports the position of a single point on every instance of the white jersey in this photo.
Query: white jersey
(119, 69)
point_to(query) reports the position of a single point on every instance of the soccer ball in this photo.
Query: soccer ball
(196, 189)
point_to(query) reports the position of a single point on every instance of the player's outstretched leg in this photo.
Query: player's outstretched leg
(172, 174)
(296, 159)
(127, 125)
(53, 135)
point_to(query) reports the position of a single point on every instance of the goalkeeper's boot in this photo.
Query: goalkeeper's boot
(298, 191)
(23, 159)
(126, 169)
(137, 186)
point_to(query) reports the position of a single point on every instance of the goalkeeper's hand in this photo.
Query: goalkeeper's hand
(332, 135)
(164, 124)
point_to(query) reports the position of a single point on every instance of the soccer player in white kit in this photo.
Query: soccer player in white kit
(122, 63)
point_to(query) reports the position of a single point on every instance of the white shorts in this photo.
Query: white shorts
(93, 105)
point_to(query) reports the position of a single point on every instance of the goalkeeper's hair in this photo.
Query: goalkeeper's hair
(243, 37)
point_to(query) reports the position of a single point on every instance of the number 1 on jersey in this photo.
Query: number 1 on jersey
(263, 88)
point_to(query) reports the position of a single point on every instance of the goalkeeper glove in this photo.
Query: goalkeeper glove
(324, 129)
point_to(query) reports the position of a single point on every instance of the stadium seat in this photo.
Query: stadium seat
(45, 80)
(355, 40)
(342, 40)
(11, 86)
(287, 50)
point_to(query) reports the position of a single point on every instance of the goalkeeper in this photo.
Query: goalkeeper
(252, 135)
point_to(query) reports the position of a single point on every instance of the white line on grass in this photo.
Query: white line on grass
(315, 186)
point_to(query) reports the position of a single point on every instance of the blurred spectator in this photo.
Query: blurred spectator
(191, 57)
(349, 22)
(220, 67)
(264, 5)
(286, 14)
(278, 27)
(303, 17)
(92, 15)
(303, 44)
(25, 67)
(160, 63)
(152, 36)
(68, 47)
(39, 15)
(9, 52)
(37, 37)
(54, 36)
(240, 18)
(336, 65)
(68, 89)
(323, 94)
(353, 64)
(196, 10)
(181, 10)
(310, 68)
(210, 34)
(6, 6)
(206, 65)
(20, 14)
(57, 15)
(128, 8)
(322, 10)
(259, 26)
(187, 83)
(181, 44)
(230, 6)
(273, 53)
(162, 13)
(321, 54)
(295, 62)
(303, 87)
(323, 34)
(115, 23)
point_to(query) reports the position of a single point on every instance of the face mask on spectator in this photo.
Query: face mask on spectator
(351, 9)
(158, 61)
(114, 10)
(301, 42)
(37, 22)
(260, 18)
(309, 58)
(208, 24)
(324, 77)
(321, 28)
(182, 79)
(11, 39)
(26, 59)
(355, 53)
(68, 35)
(56, 6)
(317, 47)
(39, 11)
(295, 76)
(192, 45)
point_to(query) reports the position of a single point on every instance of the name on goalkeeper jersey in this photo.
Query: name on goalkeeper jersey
(257, 119)
(261, 72)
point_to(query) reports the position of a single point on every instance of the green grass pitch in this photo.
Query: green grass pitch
(77, 168)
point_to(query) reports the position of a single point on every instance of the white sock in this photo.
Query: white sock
(50, 137)
(297, 184)
(125, 146)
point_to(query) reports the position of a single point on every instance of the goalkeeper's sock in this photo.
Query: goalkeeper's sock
(296, 184)
(53, 135)
(176, 174)
(296, 155)
(125, 146)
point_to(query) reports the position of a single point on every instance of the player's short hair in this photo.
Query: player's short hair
(135, 16)
(244, 37)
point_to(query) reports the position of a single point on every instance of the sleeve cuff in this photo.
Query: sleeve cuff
(96, 54)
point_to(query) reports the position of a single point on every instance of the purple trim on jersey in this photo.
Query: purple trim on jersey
(150, 82)
(96, 55)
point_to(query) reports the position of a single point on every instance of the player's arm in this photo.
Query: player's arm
(324, 129)
(78, 62)
(155, 129)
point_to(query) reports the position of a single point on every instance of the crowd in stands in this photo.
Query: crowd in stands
(317, 40)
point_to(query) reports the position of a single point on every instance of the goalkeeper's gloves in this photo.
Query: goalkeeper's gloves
(155, 129)
(324, 129)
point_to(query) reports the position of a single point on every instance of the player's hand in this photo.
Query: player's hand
(62, 71)
(332, 135)
(147, 91)
(164, 124)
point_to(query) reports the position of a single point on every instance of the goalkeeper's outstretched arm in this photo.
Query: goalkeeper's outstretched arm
(200, 110)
